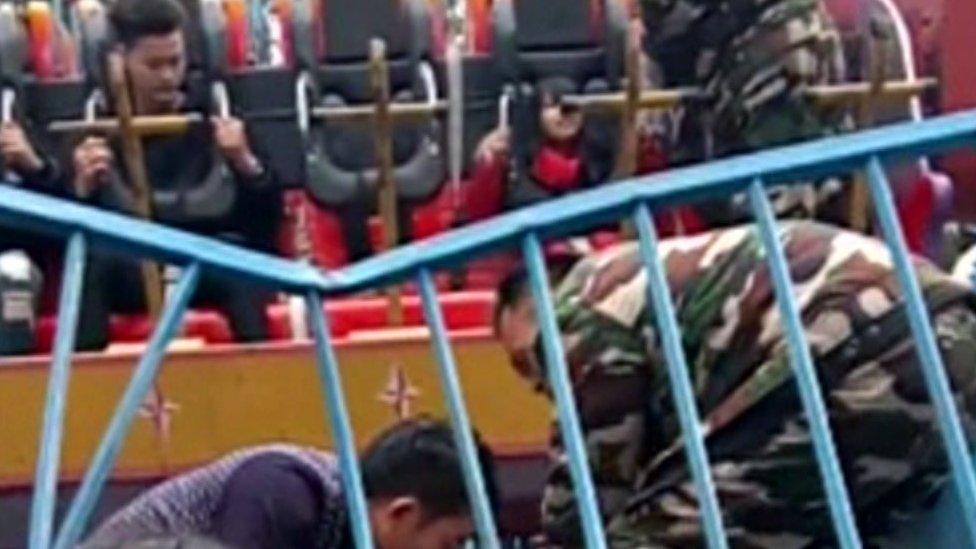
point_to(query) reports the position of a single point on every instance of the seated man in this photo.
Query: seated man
(149, 34)
(22, 162)
(759, 444)
(280, 497)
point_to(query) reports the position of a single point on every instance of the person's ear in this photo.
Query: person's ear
(404, 510)
(395, 520)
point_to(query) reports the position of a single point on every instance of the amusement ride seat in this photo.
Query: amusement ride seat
(579, 46)
(332, 48)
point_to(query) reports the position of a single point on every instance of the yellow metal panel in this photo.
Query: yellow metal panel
(212, 401)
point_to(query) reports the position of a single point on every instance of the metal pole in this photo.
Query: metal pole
(134, 396)
(46, 476)
(328, 367)
(659, 297)
(926, 346)
(463, 439)
(805, 372)
(561, 385)
(383, 145)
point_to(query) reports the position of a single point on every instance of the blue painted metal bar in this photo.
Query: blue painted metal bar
(579, 211)
(124, 234)
(49, 454)
(463, 437)
(925, 344)
(328, 365)
(805, 372)
(659, 298)
(561, 386)
(135, 394)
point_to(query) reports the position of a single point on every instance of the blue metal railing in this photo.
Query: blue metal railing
(751, 174)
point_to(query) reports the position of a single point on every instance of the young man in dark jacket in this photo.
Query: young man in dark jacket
(150, 36)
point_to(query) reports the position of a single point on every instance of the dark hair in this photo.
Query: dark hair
(597, 139)
(510, 291)
(133, 20)
(515, 285)
(418, 458)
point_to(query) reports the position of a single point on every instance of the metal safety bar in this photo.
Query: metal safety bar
(679, 375)
(526, 228)
(46, 476)
(804, 371)
(463, 438)
(135, 394)
(339, 417)
(933, 370)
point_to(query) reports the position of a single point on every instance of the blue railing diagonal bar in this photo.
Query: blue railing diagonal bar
(135, 394)
(659, 301)
(48, 457)
(936, 380)
(805, 372)
(586, 209)
(127, 235)
(335, 401)
(558, 374)
(463, 435)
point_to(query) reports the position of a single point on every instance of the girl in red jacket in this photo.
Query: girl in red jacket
(558, 151)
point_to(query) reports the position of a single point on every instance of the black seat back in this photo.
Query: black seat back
(342, 78)
(581, 41)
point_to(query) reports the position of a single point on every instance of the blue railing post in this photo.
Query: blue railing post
(556, 370)
(328, 365)
(933, 370)
(463, 437)
(805, 372)
(49, 454)
(659, 300)
(135, 394)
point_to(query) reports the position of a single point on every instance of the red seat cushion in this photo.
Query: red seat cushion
(308, 229)
(208, 325)
(438, 215)
(316, 232)
(461, 310)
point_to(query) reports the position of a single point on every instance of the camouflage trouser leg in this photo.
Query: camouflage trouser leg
(767, 479)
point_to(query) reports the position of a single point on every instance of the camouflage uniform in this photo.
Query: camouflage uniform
(751, 57)
(759, 447)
